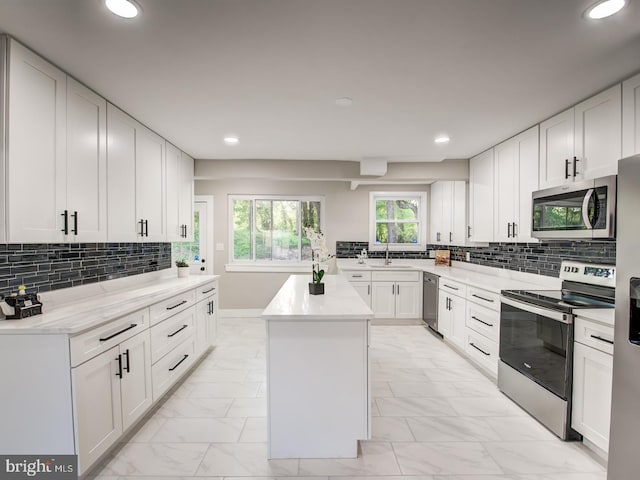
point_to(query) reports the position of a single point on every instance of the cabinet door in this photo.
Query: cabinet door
(444, 315)
(556, 147)
(212, 322)
(435, 213)
(527, 146)
(505, 194)
(592, 381)
(97, 406)
(459, 214)
(481, 197)
(121, 176)
(364, 290)
(136, 378)
(36, 150)
(458, 313)
(446, 226)
(150, 184)
(408, 300)
(173, 162)
(206, 324)
(86, 164)
(383, 299)
(598, 138)
(631, 116)
(186, 195)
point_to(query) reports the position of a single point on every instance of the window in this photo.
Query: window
(397, 219)
(270, 230)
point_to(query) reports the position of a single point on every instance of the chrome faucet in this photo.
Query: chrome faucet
(387, 260)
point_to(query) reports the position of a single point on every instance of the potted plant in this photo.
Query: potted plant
(183, 268)
(319, 255)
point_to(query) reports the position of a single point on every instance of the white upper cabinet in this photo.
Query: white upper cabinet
(179, 195)
(481, 179)
(516, 178)
(631, 116)
(150, 185)
(36, 148)
(448, 212)
(86, 164)
(435, 213)
(582, 142)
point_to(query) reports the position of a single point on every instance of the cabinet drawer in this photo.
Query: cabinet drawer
(171, 306)
(482, 351)
(484, 297)
(357, 276)
(454, 287)
(396, 276)
(171, 367)
(206, 290)
(483, 320)
(167, 334)
(594, 334)
(89, 344)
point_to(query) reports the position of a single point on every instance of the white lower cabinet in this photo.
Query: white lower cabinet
(364, 290)
(592, 381)
(451, 317)
(361, 282)
(206, 318)
(396, 294)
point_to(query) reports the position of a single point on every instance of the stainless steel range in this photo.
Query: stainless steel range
(536, 341)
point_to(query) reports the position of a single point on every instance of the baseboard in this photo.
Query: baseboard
(240, 312)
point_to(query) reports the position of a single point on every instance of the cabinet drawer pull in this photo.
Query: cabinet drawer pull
(452, 288)
(141, 222)
(178, 364)
(482, 321)
(509, 230)
(601, 339)
(356, 276)
(74, 230)
(65, 228)
(119, 372)
(482, 298)
(177, 331)
(566, 168)
(127, 367)
(146, 228)
(177, 305)
(210, 290)
(575, 161)
(479, 349)
(133, 325)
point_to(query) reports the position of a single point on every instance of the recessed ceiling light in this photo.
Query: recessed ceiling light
(344, 101)
(605, 8)
(231, 140)
(123, 8)
(442, 139)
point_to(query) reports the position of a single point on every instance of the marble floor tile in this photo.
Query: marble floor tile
(451, 429)
(225, 390)
(161, 459)
(146, 430)
(423, 389)
(243, 459)
(248, 407)
(477, 388)
(381, 389)
(254, 431)
(449, 458)
(390, 429)
(450, 374)
(485, 407)
(414, 407)
(520, 429)
(377, 458)
(542, 457)
(199, 430)
(398, 375)
(195, 407)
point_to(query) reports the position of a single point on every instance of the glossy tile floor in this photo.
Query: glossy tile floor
(435, 417)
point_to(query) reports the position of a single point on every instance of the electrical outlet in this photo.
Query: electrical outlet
(467, 256)
(432, 254)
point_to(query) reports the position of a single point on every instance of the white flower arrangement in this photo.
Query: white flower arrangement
(319, 252)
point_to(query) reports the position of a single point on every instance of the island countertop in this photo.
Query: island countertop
(340, 301)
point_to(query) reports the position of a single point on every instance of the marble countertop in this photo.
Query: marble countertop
(491, 279)
(340, 301)
(602, 315)
(79, 316)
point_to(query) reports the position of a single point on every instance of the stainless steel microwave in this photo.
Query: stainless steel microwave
(579, 210)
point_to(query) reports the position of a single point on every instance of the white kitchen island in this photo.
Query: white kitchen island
(318, 388)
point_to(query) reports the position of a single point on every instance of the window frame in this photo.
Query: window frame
(262, 265)
(421, 220)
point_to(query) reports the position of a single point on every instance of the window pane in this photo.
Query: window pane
(397, 233)
(405, 209)
(309, 217)
(242, 229)
(264, 229)
(285, 230)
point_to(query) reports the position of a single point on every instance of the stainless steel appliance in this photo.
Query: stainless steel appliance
(536, 341)
(581, 210)
(625, 416)
(430, 300)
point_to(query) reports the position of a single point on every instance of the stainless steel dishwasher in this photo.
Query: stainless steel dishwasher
(430, 300)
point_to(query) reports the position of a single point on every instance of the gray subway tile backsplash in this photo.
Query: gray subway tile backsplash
(45, 267)
(542, 258)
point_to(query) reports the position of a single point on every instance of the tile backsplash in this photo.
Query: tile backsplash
(44, 267)
(540, 258)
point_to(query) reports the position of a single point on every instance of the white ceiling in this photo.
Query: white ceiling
(271, 70)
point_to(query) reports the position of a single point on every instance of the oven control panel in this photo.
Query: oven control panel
(591, 273)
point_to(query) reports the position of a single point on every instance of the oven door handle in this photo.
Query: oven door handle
(544, 312)
(585, 209)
